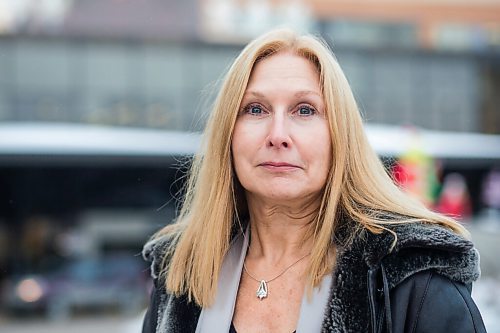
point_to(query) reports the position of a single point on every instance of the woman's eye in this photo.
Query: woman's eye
(255, 110)
(305, 111)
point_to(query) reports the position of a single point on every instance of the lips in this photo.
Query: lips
(279, 166)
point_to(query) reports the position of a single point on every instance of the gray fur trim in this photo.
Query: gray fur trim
(420, 247)
(154, 251)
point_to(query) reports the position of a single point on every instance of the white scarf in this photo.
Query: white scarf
(218, 317)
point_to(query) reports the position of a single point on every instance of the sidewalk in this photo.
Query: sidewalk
(486, 294)
(486, 291)
(90, 324)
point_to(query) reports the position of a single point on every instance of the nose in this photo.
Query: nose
(279, 132)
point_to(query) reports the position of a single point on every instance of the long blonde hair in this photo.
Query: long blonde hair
(358, 187)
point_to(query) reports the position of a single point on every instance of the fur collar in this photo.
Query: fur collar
(155, 251)
(421, 247)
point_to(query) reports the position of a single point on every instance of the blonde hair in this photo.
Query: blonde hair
(358, 187)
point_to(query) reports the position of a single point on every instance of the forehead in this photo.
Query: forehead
(285, 70)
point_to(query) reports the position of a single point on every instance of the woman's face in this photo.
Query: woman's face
(281, 142)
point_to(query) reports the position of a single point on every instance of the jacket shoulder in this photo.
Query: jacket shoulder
(434, 303)
(167, 312)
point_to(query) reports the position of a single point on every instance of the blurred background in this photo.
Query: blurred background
(102, 103)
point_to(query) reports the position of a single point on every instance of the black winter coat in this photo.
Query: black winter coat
(422, 285)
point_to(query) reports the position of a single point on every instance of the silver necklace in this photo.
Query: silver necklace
(262, 291)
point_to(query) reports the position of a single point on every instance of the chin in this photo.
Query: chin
(285, 195)
(282, 192)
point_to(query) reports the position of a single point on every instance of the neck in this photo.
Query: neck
(280, 231)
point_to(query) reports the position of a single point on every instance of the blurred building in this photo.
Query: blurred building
(155, 63)
(440, 58)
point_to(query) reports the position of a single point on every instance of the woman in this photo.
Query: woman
(291, 223)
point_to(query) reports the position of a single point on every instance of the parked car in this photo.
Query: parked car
(116, 282)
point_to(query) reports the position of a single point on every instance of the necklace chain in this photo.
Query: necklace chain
(277, 276)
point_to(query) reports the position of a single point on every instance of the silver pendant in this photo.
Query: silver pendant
(262, 290)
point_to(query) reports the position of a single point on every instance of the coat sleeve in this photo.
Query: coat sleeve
(429, 302)
(151, 318)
